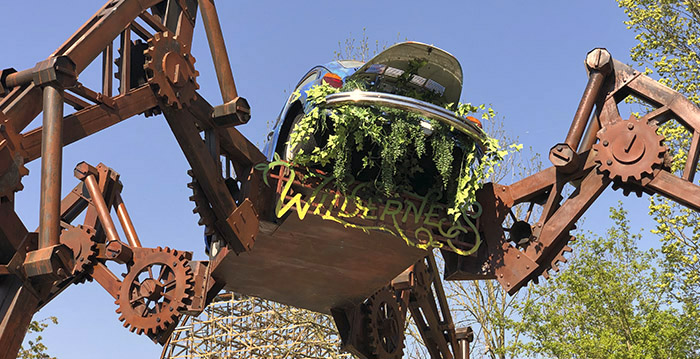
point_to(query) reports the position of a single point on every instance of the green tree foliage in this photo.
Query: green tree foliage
(610, 302)
(668, 35)
(33, 347)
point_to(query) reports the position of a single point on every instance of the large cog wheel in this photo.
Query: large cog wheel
(552, 261)
(630, 151)
(385, 323)
(157, 286)
(170, 69)
(558, 258)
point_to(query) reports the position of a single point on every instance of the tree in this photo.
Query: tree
(485, 305)
(36, 349)
(611, 301)
(668, 35)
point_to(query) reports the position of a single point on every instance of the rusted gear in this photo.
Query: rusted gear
(137, 75)
(552, 261)
(202, 207)
(155, 289)
(385, 325)
(170, 69)
(11, 160)
(628, 187)
(12, 170)
(630, 151)
(80, 240)
(557, 260)
(422, 280)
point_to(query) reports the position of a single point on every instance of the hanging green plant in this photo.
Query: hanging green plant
(396, 150)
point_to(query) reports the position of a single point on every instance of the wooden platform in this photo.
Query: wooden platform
(317, 264)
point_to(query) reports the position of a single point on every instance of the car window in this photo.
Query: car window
(308, 79)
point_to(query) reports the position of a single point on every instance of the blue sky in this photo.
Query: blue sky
(525, 58)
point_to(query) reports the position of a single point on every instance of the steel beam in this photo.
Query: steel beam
(217, 46)
(51, 166)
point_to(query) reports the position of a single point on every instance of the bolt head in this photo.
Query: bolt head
(599, 59)
(609, 162)
(630, 126)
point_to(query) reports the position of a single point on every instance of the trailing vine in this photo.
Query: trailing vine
(390, 149)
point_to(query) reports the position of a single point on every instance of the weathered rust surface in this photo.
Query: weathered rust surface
(314, 259)
(628, 154)
(93, 119)
(17, 307)
(317, 264)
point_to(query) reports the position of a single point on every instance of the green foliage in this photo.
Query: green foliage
(393, 143)
(668, 35)
(609, 302)
(668, 43)
(36, 349)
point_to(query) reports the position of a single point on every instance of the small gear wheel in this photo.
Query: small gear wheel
(80, 239)
(385, 325)
(11, 177)
(137, 75)
(201, 204)
(157, 286)
(12, 157)
(170, 69)
(422, 280)
(630, 150)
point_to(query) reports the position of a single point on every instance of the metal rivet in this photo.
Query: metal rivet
(605, 143)
(609, 162)
(630, 126)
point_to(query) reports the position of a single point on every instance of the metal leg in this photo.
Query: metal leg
(17, 307)
(51, 154)
(218, 50)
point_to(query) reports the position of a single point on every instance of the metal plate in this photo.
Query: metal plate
(317, 264)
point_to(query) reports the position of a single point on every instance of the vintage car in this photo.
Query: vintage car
(440, 77)
(326, 249)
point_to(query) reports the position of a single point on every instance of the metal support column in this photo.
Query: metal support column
(51, 165)
(218, 50)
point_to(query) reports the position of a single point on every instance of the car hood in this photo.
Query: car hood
(442, 67)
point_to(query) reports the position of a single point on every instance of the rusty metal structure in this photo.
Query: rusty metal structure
(368, 283)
